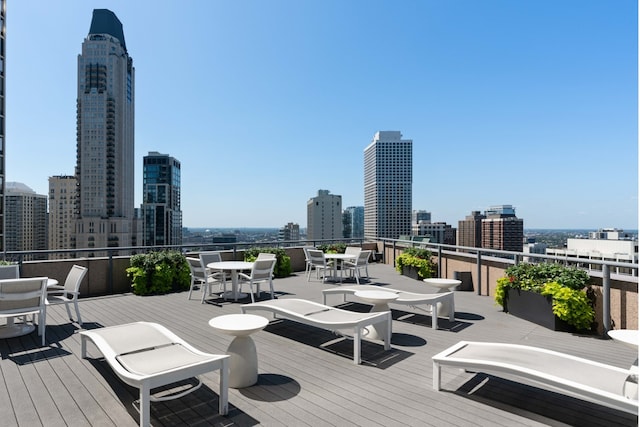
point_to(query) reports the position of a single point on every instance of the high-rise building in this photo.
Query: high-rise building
(290, 232)
(26, 216)
(470, 230)
(62, 205)
(353, 222)
(420, 215)
(437, 232)
(3, 66)
(161, 214)
(388, 178)
(502, 230)
(105, 137)
(324, 216)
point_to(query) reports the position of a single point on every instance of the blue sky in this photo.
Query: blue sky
(532, 103)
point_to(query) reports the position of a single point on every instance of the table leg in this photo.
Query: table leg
(444, 307)
(243, 362)
(11, 330)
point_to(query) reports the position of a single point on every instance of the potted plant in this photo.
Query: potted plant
(334, 248)
(159, 273)
(283, 261)
(416, 263)
(551, 295)
(9, 270)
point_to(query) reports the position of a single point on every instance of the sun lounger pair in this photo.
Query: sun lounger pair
(326, 317)
(147, 355)
(593, 381)
(406, 298)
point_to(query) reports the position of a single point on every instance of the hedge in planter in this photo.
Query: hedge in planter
(567, 288)
(159, 273)
(418, 258)
(283, 261)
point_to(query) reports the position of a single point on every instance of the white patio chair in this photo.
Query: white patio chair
(361, 262)
(23, 298)
(262, 271)
(317, 262)
(70, 292)
(200, 275)
(218, 276)
(307, 264)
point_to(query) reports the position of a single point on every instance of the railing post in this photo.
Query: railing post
(439, 261)
(479, 271)
(110, 273)
(606, 298)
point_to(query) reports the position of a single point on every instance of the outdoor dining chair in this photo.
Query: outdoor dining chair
(70, 292)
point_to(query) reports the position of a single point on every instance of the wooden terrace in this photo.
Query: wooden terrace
(306, 375)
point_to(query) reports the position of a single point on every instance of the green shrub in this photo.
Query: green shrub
(159, 273)
(334, 248)
(283, 261)
(567, 286)
(418, 258)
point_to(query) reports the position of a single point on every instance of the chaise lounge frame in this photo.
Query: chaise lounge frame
(411, 299)
(589, 380)
(326, 317)
(147, 355)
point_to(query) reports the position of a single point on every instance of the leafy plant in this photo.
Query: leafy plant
(567, 286)
(283, 261)
(334, 248)
(418, 258)
(159, 273)
(570, 305)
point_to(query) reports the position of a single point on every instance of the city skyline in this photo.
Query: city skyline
(532, 104)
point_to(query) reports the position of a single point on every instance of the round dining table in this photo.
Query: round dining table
(233, 267)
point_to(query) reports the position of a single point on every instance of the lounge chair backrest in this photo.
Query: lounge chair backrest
(352, 250)
(22, 295)
(74, 278)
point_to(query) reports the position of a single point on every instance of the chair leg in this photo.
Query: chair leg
(75, 302)
(66, 305)
(191, 287)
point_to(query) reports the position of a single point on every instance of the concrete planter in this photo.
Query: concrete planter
(410, 271)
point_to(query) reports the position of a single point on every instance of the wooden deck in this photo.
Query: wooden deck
(306, 375)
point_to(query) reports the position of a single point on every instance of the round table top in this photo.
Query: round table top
(238, 324)
(230, 265)
(627, 336)
(376, 296)
(442, 283)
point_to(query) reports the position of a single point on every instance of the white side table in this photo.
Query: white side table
(380, 301)
(243, 360)
(443, 285)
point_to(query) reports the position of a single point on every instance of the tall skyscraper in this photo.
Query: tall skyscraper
(502, 230)
(353, 222)
(161, 214)
(62, 206)
(3, 67)
(324, 216)
(470, 230)
(388, 178)
(105, 137)
(26, 216)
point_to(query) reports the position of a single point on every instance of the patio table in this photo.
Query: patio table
(233, 267)
(339, 258)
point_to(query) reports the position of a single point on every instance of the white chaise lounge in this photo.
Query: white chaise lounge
(147, 355)
(326, 317)
(405, 298)
(593, 381)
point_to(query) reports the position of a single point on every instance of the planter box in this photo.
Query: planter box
(535, 308)
(410, 271)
